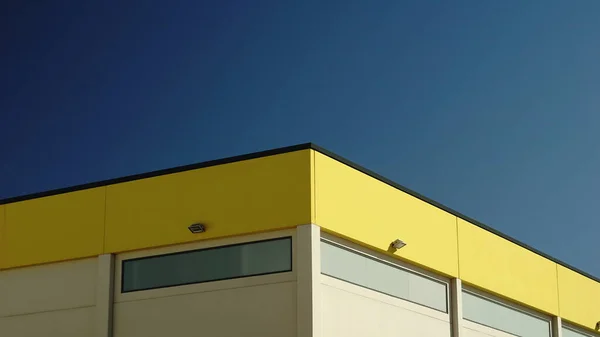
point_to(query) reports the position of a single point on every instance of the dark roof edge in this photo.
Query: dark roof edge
(288, 149)
(449, 210)
(156, 173)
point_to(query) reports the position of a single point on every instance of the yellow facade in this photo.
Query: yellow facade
(579, 297)
(354, 205)
(495, 264)
(313, 190)
(2, 253)
(237, 198)
(285, 190)
(59, 227)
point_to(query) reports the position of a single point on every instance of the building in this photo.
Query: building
(289, 242)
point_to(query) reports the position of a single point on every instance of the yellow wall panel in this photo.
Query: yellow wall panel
(313, 208)
(1, 236)
(579, 298)
(59, 227)
(231, 199)
(359, 207)
(498, 265)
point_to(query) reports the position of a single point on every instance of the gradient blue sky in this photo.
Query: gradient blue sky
(489, 107)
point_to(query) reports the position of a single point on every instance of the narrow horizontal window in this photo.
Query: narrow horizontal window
(568, 332)
(206, 265)
(502, 317)
(382, 277)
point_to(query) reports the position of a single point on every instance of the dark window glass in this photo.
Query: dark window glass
(212, 264)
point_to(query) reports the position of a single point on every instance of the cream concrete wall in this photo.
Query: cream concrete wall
(267, 310)
(258, 306)
(58, 323)
(352, 311)
(49, 300)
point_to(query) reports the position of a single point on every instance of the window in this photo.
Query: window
(368, 272)
(569, 332)
(205, 265)
(502, 317)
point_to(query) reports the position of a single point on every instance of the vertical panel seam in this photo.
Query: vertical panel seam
(457, 248)
(557, 290)
(314, 184)
(104, 222)
(3, 234)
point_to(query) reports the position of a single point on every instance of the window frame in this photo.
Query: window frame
(289, 238)
(390, 261)
(569, 326)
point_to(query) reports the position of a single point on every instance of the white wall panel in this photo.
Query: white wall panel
(352, 311)
(48, 287)
(60, 323)
(259, 311)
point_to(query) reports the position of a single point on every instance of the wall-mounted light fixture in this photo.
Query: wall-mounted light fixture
(197, 228)
(395, 245)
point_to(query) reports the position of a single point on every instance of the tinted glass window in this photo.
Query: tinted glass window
(566, 332)
(502, 317)
(213, 264)
(377, 275)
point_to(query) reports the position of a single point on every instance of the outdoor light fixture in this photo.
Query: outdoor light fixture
(197, 228)
(397, 244)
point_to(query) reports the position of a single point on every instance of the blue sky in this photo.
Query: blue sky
(489, 107)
